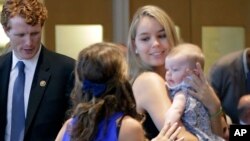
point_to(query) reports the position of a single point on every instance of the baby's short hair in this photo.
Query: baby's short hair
(191, 51)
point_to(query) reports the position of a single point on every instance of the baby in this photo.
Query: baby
(192, 112)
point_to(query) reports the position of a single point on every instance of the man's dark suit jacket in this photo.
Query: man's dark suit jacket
(228, 79)
(47, 104)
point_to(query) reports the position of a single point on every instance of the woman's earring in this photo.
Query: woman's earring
(136, 51)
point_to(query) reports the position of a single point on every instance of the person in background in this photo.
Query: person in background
(244, 110)
(35, 82)
(230, 78)
(103, 102)
(185, 107)
(151, 36)
(6, 49)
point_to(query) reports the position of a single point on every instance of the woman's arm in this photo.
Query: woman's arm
(151, 96)
(63, 130)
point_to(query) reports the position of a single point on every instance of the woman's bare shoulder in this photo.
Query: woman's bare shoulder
(63, 130)
(150, 87)
(131, 130)
(148, 78)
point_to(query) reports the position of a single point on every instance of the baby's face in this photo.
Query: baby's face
(176, 67)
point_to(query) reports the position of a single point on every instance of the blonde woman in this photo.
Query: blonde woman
(151, 36)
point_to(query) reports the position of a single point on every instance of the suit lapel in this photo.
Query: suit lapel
(41, 78)
(5, 68)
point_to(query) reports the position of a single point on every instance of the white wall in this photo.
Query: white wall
(71, 39)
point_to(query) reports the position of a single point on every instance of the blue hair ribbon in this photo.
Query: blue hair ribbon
(96, 89)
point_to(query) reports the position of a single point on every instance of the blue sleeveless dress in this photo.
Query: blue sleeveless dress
(110, 134)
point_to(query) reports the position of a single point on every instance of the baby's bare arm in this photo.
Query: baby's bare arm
(176, 110)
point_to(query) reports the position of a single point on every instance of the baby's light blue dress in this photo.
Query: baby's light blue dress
(195, 117)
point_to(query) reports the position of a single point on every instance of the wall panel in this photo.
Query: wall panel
(78, 12)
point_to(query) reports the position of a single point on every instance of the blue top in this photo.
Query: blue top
(107, 129)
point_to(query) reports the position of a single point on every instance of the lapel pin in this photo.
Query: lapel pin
(42, 83)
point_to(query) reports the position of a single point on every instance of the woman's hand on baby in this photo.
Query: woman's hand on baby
(169, 133)
(202, 90)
